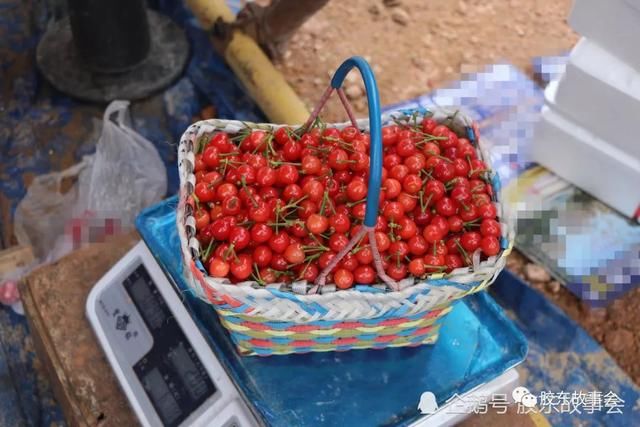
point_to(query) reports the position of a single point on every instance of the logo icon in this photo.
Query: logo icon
(122, 322)
(523, 396)
(428, 404)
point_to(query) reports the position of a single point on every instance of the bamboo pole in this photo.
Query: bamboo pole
(253, 68)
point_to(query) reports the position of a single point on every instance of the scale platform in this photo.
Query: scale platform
(477, 350)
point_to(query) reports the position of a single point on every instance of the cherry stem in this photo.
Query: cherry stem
(446, 159)
(230, 251)
(423, 207)
(207, 252)
(464, 253)
(427, 177)
(256, 276)
(325, 198)
(279, 163)
(439, 268)
(243, 181)
(357, 202)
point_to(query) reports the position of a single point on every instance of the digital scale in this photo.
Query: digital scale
(178, 367)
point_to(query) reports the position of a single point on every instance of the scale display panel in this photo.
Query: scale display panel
(165, 367)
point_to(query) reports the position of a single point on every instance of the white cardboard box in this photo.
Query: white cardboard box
(602, 94)
(613, 24)
(587, 161)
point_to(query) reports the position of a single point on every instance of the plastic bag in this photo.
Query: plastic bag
(98, 197)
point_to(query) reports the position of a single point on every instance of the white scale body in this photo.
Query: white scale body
(169, 373)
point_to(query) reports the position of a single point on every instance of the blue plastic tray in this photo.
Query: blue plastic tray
(357, 388)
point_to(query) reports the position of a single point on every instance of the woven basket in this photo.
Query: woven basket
(303, 317)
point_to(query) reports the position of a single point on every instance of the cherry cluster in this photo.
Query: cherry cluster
(277, 205)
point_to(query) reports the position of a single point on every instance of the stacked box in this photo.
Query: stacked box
(588, 132)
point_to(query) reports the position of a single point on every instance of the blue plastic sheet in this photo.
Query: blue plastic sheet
(357, 388)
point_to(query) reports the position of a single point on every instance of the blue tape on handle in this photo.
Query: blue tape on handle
(375, 128)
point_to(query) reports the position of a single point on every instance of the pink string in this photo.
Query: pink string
(316, 111)
(377, 260)
(9, 293)
(322, 277)
(347, 106)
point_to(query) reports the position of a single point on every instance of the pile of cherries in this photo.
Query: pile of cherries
(277, 205)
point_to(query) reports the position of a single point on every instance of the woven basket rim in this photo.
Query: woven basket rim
(468, 274)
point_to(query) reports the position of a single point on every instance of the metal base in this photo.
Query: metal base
(60, 64)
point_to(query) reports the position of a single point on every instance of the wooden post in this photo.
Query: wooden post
(253, 68)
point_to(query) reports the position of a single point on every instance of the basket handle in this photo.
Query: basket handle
(375, 126)
(375, 160)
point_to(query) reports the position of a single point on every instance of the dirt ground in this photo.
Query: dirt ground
(416, 45)
(616, 327)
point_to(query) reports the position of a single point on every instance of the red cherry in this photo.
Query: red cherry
(356, 190)
(309, 272)
(412, 184)
(455, 223)
(338, 159)
(364, 275)
(349, 262)
(399, 172)
(262, 255)
(490, 227)
(349, 133)
(294, 253)
(468, 213)
(408, 228)
(446, 207)
(292, 151)
(364, 256)
(220, 229)
(204, 192)
(314, 190)
(279, 263)
(415, 163)
(218, 267)
(211, 157)
(338, 241)
(389, 135)
(343, 278)
(241, 267)
(222, 142)
(397, 271)
(239, 237)
(282, 135)
(433, 263)
(392, 188)
(434, 189)
(261, 233)
(453, 261)
(470, 241)
(431, 233)
(428, 125)
(417, 245)
(444, 171)
(202, 218)
(311, 165)
(393, 211)
(382, 241)
(287, 174)
(490, 245)
(417, 267)
(279, 242)
(260, 213)
(317, 224)
(487, 210)
(266, 176)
